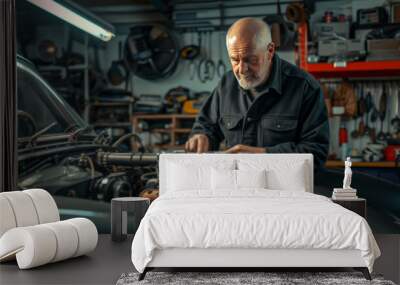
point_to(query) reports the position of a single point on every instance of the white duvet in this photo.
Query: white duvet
(250, 219)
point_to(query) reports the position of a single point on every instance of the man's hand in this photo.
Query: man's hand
(241, 148)
(198, 143)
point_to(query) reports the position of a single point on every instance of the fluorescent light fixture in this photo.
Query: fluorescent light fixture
(77, 16)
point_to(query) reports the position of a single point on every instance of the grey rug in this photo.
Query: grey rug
(229, 278)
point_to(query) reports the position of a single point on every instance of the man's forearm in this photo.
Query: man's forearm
(241, 148)
(207, 121)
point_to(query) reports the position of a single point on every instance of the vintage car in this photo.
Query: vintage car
(60, 152)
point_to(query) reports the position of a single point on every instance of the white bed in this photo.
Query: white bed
(281, 225)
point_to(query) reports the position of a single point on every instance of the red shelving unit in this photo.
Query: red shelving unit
(352, 69)
(355, 69)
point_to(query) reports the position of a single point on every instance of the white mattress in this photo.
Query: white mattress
(253, 219)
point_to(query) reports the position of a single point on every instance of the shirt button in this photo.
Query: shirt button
(248, 119)
(278, 126)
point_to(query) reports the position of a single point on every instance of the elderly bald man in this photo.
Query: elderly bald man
(264, 104)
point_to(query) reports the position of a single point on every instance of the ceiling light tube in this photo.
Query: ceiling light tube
(77, 16)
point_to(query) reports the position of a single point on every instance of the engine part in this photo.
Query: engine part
(127, 159)
(70, 180)
(47, 51)
(130, 135)
(152, 194)
(151, 183)
(113, 185)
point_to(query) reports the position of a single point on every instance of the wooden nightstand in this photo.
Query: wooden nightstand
(358, 205)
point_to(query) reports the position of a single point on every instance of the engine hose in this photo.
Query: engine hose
(124, 137)
(92, 170)
(127, 159)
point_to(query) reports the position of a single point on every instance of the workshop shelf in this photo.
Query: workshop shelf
(382, 68)
(177, 127)
(363, 69)
(380, 164)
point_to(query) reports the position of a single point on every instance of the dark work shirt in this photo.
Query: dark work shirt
(288, 115)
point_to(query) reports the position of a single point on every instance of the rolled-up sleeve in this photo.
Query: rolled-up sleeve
(207, 120)
(313, 136)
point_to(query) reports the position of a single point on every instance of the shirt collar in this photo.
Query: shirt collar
(274, 80)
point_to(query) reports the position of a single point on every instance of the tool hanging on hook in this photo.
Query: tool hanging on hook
(221, 67)
(382, 113)
(191, 52)
(206, 68)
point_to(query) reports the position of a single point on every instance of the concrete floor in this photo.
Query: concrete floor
(102, 266)
(110, 260)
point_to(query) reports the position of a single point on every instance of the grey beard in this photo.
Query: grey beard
(248, 85)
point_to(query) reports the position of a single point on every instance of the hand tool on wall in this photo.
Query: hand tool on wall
(193, 66)
(210, 63)
(354, 133)
(382, 113)
(190, 53)
(396, 120)
(375, 112)
(362, 109)
(389, 110)
(202, 56)
(368, 107)
(221, 68)
(206, 68)
(327, 98)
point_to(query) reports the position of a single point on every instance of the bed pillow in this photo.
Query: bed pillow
(186, 175)
(251, 178)
(223, 179)
(285, 174)
(293, 179)
(229, 180)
